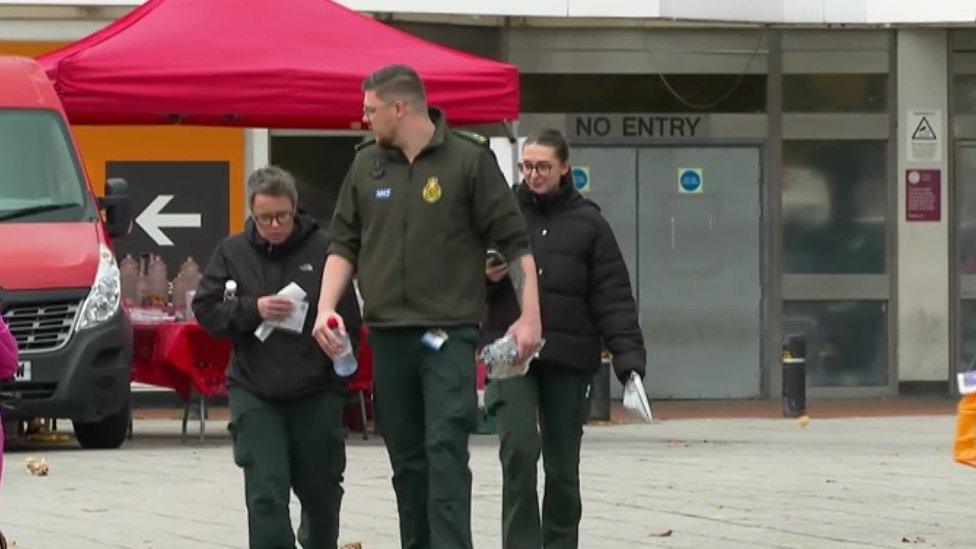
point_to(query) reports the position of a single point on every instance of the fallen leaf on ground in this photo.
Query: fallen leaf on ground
(664, 534)
(803, 420)
(38, 468)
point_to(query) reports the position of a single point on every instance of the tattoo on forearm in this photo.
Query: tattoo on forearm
(517, 275)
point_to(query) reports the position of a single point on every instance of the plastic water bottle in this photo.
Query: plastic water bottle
(129, 275)
(158, 283)
(230, 290)
(185, 285)
(142, 284)
(192, 272)
(345, 364)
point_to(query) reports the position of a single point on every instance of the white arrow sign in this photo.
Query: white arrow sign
(151, 220)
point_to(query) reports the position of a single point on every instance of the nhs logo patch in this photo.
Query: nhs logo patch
(384, 193)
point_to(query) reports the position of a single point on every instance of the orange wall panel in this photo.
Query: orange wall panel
(101, 144)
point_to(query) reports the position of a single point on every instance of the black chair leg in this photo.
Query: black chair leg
(362, 411)
(186, 417)
(203, 416)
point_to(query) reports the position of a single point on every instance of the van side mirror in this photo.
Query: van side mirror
(117, 206)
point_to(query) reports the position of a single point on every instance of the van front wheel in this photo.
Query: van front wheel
(107, 433)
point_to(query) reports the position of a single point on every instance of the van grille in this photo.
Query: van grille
(42, 327)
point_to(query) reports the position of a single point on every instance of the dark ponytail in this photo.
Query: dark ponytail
(553, 139)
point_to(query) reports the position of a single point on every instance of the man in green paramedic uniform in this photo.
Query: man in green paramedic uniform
(413, 219)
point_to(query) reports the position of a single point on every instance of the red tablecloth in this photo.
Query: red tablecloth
(180, 356)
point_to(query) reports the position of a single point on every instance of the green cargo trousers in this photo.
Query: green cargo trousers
(283, 445)
(426, 405)
(544, 410)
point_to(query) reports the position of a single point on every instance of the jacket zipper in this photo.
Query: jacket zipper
(403, 249)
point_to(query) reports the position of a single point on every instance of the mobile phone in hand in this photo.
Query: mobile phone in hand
(495, 258)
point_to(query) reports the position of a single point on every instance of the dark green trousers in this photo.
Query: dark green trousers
(296, 445)
(426, 406)
(544, 410)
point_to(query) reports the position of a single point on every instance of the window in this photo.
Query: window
(319, 165)
(837, 93)
(38, 171)
(964, 93)
(557, 93)
(846, 341)
(834, 207)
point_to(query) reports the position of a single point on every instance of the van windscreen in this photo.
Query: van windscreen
(40, 179)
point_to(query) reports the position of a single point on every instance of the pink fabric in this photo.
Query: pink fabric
(8, 366)
(261, 63)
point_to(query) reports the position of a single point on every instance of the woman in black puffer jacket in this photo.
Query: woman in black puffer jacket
(587, 304)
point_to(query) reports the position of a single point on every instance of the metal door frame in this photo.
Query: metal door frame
(956, 363)
(961, 129)
(853, 283)
(767, 348)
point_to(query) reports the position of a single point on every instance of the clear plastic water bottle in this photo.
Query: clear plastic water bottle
(158, 283)
(192, 273)
(129, 275)
(184, 285)
(345, 364)
(230, 290)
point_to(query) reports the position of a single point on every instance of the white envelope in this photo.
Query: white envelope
(635, 399)
(295, 321)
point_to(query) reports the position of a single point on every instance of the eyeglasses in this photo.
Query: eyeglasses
(266, 220)
(543, 168)
(369, 111)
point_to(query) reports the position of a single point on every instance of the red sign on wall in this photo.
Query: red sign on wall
(923, 195)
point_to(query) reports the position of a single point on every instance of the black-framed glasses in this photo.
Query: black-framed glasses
(266, 220)
(543, 168)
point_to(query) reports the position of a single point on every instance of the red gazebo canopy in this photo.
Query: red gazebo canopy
(261, 63)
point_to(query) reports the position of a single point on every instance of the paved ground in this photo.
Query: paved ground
(744, 482)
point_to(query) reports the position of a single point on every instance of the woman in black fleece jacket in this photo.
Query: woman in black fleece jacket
(285, 397)
(587, 304)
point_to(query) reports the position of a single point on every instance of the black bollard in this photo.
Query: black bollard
(794, 375)
(600, 392)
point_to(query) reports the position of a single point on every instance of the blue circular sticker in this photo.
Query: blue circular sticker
(580, 179)
(690, 181)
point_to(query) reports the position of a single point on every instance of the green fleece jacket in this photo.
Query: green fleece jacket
(417, 233)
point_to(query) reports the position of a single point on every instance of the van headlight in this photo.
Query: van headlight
(103, 301)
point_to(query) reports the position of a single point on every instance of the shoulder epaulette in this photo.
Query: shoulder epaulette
(365, 143)
(473, 137)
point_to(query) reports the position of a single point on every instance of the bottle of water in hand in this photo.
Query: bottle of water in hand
(230, 290)
(344, 364)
